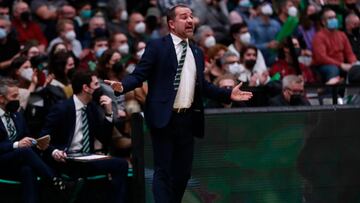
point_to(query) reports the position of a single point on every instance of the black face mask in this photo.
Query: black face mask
(297, 51)
(97, 94)
(25, 16)
(218, 63)
(117, 67)
(356, 31)
(12, 106)
(70, 73)
(296, 100)
(250, 63)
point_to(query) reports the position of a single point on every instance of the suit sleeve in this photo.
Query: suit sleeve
(5, 145)
(142, 70)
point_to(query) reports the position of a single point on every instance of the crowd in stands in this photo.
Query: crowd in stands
(274, 48)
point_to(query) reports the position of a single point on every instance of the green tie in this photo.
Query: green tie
(10, 127)
(180, 65)
(85, 131)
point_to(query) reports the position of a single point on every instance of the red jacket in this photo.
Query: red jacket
(31, 32)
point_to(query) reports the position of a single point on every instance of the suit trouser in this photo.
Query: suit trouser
(117, 167)
(25, 165)
(173, 148)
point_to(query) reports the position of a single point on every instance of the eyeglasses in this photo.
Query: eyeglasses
(301, 92)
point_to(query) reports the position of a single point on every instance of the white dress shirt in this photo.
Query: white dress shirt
(185, 94)
(76, 144)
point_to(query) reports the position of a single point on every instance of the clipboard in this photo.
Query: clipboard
(86, 157)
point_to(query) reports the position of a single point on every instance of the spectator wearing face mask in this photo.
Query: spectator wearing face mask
(97, 47)
(67, 35)
(26, 28)
(136, 30)
(97, 28)
(213, 67)
(288, 64)
(9, 46)
(205, 38)
(118, 16)
(263, 29)
(24, 74)
(292, 93)
(226, 81)
(242, 37)
(286, 9)
(118, 41)
(352, 25)
(245, 71)
(332, 53)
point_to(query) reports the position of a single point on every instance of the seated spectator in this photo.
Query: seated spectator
(213, 65)
(205, 38)
(292, 93)
(46, 10)
(4, 10)
(136, 29)
(352, 25)
(118, 41)
(22, 71)
(97, 47)
(288, 64)
(286, 8)
(17, 154)
(226, 81)
(309, 21)
(26, 28)
(246, 72)
(241, 36)
(118, 17)
(9, 46)
(74, 124)
(62, 66)
(97, 28)
(263, 29)
(67, 35)
(332, 51)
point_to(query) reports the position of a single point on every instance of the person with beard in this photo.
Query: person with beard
(292, 93)
(288, 64)
(73, 125)
(25, 27)
(332, 52)
(18, 156)
(174, 112)
(352, 23)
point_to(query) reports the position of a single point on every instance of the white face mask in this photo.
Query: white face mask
(306, 60)
(267, 10)
(124, 48)
(124, 15)
(245, 38)
(292, 11)
(140, 53)
(140, 28)
(71, 35)
(27, 73)
(210, 41)
(234, 68)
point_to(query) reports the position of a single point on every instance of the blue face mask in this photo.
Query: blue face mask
(85, 14)
(100, 51)
(332, 23)
(2, 33)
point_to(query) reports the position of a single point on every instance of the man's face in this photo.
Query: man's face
(135, 18)
(68, 12)
(93, 85)
(67, 28)
(96, 23)
(294, 89)
(227, 83)
(21, 7)
(183, 24)
(4, 11)
(12, 95)
(101, 44)
(114, 59)
(119, 40)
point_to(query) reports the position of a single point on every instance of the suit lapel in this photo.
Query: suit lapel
(16, 121)
(171, 50)
(72, 120)
(197, 59)
(3, 129)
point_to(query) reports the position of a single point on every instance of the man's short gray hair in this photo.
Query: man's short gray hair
(227, 54)
(289, 80)
(5, 83)
(200, 30)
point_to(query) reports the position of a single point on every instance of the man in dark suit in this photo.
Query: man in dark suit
(74, 124)
(17, 158)
(174, 68)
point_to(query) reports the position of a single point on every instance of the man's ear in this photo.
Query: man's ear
(2, 99)
(171, 24)
(85, 88)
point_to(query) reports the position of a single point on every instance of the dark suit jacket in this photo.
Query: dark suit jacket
(21, 129)
(158, 66)
(60, 125)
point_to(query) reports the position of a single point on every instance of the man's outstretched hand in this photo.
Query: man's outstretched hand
(115, 85)
(238, 95)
